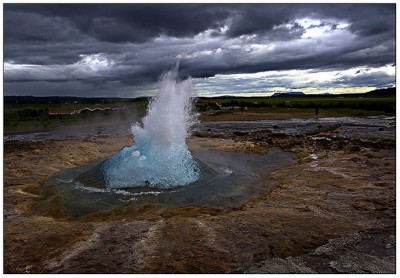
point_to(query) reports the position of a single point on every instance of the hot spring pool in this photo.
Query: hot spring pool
(227, 180)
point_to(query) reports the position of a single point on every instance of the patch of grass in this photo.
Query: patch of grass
(360, 105)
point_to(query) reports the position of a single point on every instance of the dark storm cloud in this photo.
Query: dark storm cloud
(366, 19)
(130, 22)
(261, 18)
(134, 43)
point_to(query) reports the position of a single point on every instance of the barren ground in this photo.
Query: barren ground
(332, 211)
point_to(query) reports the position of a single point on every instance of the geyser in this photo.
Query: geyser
(160, 157)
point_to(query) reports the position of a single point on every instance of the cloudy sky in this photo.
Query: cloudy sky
(238, 49)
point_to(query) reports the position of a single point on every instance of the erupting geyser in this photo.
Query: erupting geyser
(160, 157)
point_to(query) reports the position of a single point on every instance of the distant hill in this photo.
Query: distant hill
(387, 92)
(289, 94)
(382, 92)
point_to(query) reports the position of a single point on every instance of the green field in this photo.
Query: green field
(385, 104)
(26, 115)
(350, 106)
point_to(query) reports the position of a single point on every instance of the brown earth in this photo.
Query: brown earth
(333, 211)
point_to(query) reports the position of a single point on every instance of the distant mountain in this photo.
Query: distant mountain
(289, 94)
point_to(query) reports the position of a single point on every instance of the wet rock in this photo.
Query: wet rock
(353, 262)
(240, 133)
(282, 266)
(334, 245)
(89, 139)
(199, 134)
(323, 142)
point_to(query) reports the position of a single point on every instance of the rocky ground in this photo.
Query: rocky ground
(332, 211)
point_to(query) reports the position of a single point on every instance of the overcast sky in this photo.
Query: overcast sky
(244, 49)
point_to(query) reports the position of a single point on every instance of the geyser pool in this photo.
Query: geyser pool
(227, 180)
(160, 157)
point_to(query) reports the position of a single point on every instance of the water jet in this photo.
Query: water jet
(160, 157)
